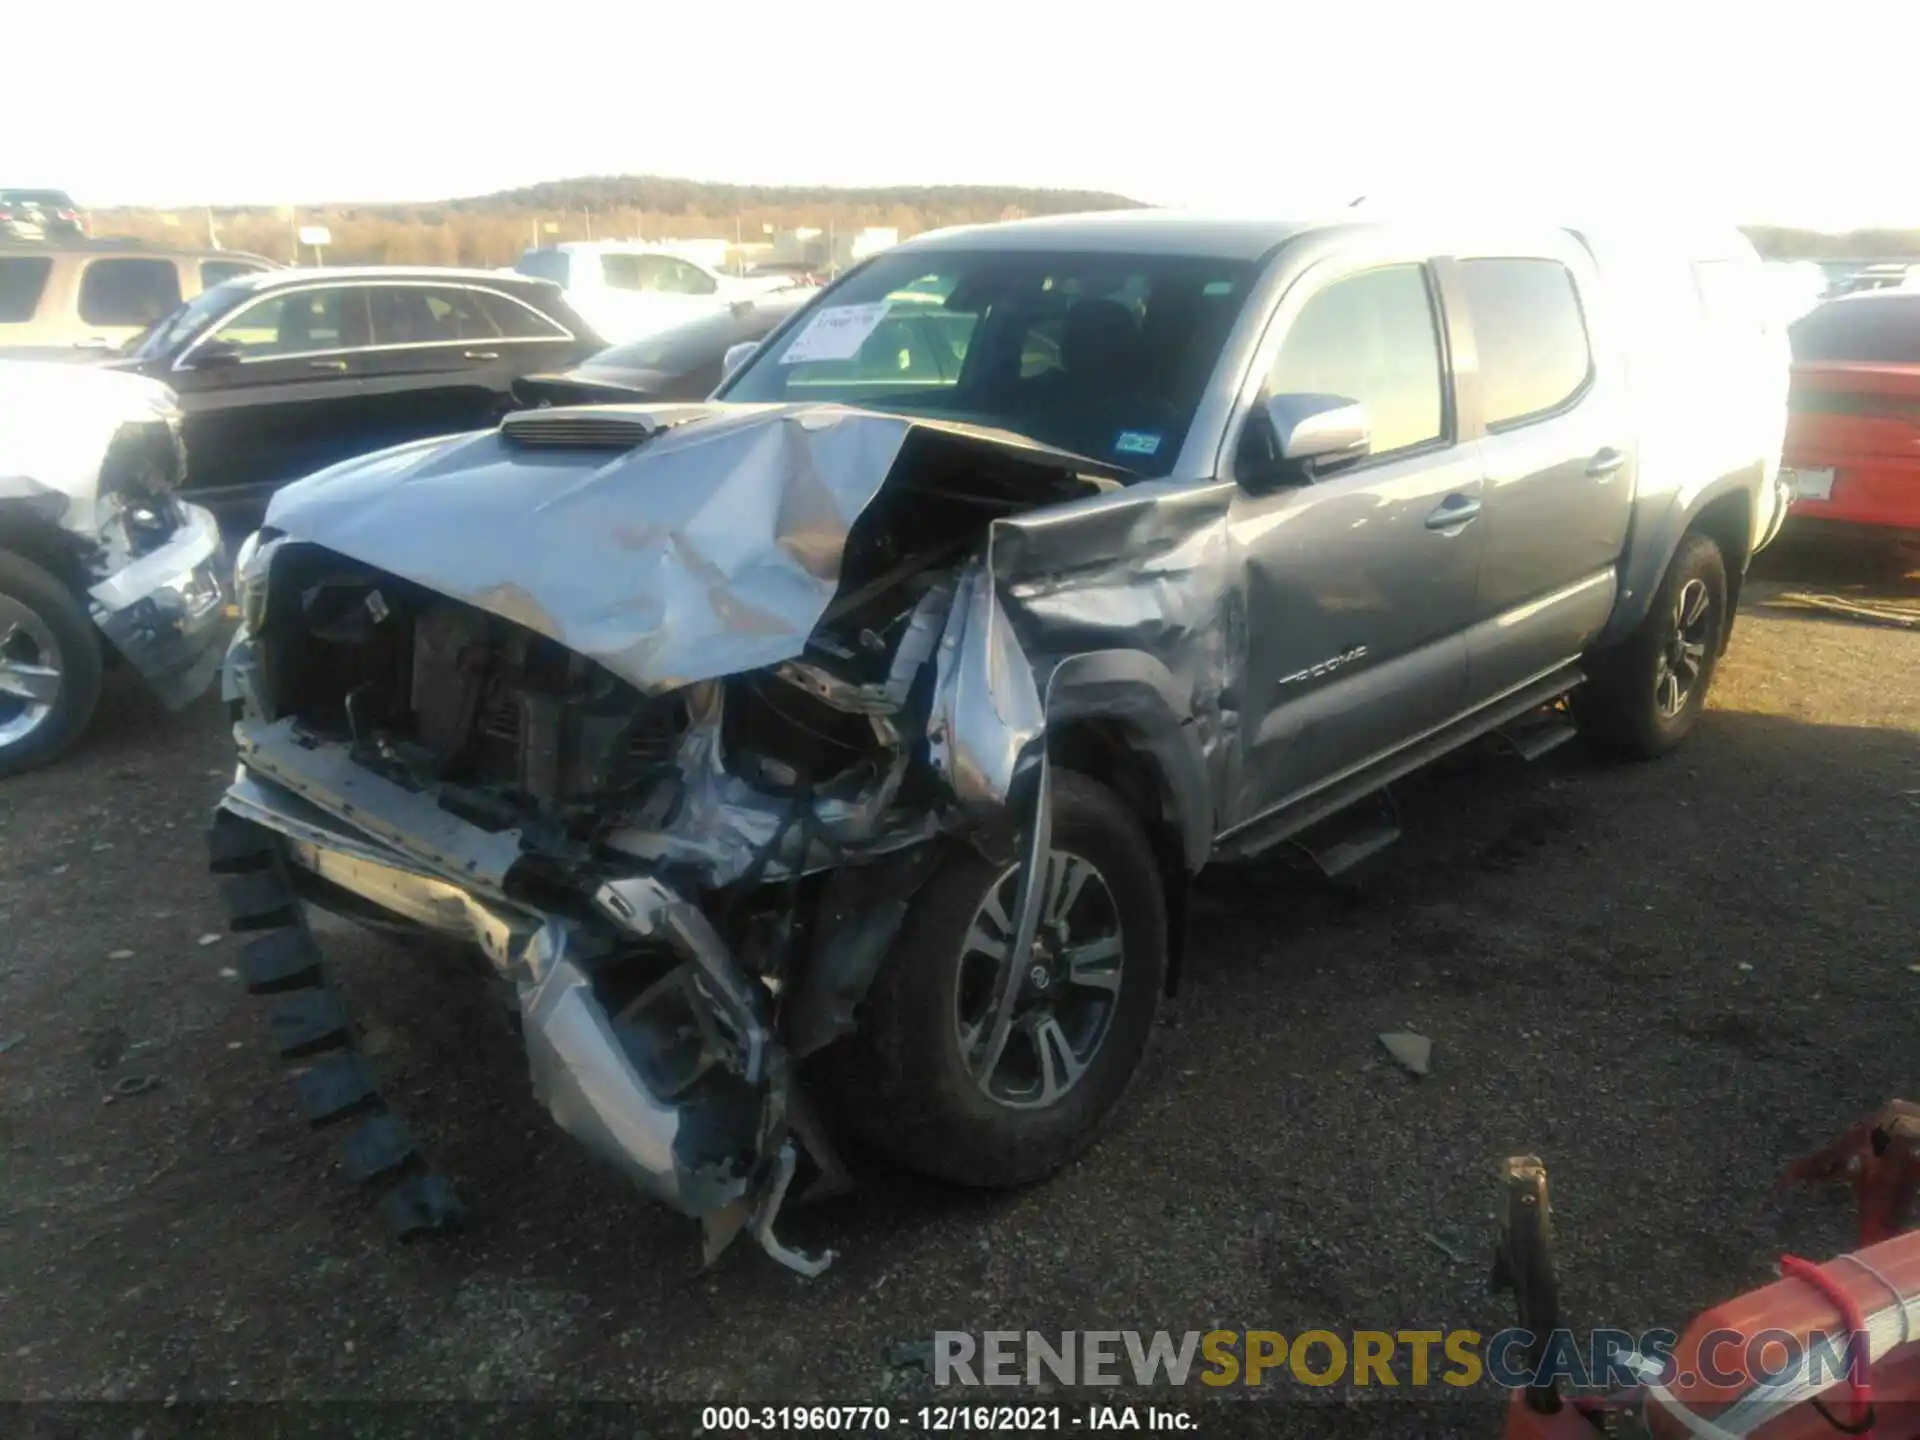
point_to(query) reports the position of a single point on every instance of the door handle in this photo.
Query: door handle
(334, 365)
(1605, 463)
(1454, 510)
(479, 354)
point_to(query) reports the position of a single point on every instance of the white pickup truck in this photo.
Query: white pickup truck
(98, 559)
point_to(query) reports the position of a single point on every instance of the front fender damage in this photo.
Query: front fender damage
(680, 933)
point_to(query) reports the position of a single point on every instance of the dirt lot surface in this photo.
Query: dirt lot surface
(1667, 979)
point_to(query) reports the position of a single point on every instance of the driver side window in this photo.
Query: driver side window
(680, 278)
(1371, 337)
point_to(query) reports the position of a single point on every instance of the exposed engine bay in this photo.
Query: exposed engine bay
(689, 876)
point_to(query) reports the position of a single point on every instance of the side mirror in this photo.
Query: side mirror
(736, 356)
(215, 356)
(1306, 436)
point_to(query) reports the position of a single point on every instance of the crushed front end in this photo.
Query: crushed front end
(92, 462)
(669, 717)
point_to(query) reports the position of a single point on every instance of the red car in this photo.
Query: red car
(1853, 431)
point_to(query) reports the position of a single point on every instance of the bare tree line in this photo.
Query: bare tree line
(493, 230)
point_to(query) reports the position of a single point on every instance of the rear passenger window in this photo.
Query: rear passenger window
(128, 292)
(22, 278)
(416, 315)
(622, 272)
(1371, 338)
(1531, 337)
(516, 321)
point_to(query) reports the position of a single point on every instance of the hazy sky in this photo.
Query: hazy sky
(1797, 114)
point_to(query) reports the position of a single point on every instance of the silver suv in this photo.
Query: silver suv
(879, 722)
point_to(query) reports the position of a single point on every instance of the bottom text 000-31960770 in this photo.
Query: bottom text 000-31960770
(941, 1419)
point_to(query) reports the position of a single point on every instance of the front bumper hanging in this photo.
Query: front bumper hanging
(700, 1125)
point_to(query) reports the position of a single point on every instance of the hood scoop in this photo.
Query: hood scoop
(594, 427)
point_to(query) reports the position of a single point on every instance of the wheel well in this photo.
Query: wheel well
(1102, 750)
(47, 546)
(1728, 522)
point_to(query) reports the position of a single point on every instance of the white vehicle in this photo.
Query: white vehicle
(627, 291)
(92, 544)
(1794, 287)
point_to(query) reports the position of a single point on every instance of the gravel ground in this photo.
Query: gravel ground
(1666, 979)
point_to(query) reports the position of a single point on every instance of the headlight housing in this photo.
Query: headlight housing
(145, 461)
(252, 571)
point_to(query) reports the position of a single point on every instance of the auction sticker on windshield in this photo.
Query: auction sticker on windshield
(836, 333)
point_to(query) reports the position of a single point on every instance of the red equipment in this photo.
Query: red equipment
(1857, 1316)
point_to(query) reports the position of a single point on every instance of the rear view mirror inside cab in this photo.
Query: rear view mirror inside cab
(1295, 439)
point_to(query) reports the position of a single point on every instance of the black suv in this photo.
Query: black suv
(284, 372)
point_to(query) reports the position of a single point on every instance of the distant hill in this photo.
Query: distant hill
(1779, 242)
(665, 195)
(494, 229)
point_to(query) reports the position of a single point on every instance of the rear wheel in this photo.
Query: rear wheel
(1645, 696)
(937, 1081)
(49, 666)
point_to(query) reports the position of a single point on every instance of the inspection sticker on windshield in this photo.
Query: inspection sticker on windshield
(836, 333)
(1137, 442)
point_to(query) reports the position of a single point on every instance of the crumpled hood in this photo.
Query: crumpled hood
(711, 548)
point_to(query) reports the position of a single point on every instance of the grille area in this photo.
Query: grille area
(522, 717)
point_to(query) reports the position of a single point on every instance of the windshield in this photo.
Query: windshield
(168, 335)
(1881, 329)
(1103, 355)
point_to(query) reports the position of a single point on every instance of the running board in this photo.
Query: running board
(1539, 733)
(1352, 837)
(1298, 815)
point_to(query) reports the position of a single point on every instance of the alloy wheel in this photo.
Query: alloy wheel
(1683, 655)
(1066, 989)
(30, 671)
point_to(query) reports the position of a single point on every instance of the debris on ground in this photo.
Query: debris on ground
(120, 955)
(1413, 1052)
(210, 938)
(8, 1042)
(1444, 1248)
(1878, 613)
(128, 1086)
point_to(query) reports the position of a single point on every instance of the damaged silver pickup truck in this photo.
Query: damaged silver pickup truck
(100, 562)
(868, 721)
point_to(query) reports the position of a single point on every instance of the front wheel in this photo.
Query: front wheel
(49, 666)
(1645, 696)
(943, 1078)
